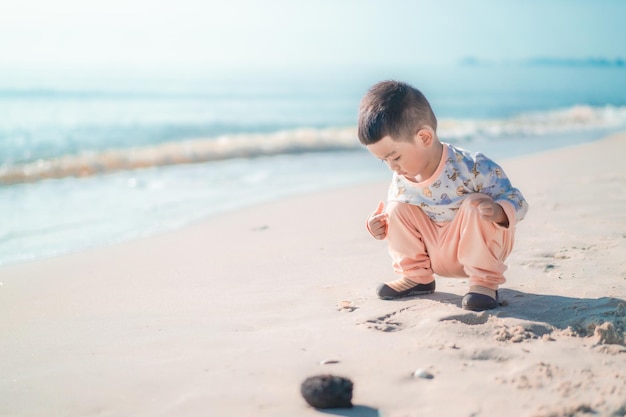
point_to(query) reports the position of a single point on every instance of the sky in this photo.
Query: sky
(287, 34)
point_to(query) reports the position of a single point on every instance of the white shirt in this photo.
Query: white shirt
(459, 173)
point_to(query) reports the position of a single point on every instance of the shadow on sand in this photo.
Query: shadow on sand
(558, 312)
(356, 411)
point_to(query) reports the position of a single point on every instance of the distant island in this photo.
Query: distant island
(547, 62)
(576, 62)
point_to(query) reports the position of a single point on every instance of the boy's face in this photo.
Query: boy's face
(412, 159)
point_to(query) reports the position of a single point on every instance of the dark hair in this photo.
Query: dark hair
(393, 108)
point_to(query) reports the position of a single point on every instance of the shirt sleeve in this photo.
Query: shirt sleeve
(490, 179)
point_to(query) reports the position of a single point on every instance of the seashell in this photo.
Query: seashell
(346, 305)
(422, 373)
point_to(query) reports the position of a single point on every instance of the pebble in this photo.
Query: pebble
(327, 391)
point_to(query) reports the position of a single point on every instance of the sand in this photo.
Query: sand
(227, 317)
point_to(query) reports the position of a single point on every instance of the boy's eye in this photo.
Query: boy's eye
(396, 159)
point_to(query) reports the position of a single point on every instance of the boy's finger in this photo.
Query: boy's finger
(380, 217)
(380, 208)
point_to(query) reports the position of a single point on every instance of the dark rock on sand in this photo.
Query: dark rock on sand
(327, 391)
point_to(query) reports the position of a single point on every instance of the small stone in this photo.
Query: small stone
(327, 391)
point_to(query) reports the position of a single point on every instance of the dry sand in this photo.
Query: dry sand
(228, 317)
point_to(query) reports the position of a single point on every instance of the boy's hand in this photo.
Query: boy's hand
(377, 222)
(491, 211)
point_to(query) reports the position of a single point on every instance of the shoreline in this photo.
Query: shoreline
(194, 182)
(228, 316)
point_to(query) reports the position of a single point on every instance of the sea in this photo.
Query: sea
(89, 159)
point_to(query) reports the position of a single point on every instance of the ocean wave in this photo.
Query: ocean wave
(574, 119)
(182, 152)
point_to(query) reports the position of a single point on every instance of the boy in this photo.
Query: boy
(450, 212)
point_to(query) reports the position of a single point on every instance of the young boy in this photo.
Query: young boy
(450, 212)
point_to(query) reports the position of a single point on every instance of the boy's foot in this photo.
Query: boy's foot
(403, 287)
(480, 299)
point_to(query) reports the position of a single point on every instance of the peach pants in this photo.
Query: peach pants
(465, 247)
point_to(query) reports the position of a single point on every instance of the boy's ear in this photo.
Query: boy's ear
(425, 135)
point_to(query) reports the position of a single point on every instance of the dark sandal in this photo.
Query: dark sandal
(385, 292)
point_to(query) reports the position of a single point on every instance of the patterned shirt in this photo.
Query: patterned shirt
(459, 173)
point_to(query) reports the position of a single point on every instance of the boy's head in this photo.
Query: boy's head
(394, 109)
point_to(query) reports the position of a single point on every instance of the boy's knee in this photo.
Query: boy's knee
(403, 212)
(396, 209)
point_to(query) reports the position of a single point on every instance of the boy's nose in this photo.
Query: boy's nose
(393, 166)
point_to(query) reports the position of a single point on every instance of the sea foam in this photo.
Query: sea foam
(87, 163)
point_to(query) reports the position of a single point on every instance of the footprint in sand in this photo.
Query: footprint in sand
(387, 323)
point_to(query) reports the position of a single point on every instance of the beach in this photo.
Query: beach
(226, 317)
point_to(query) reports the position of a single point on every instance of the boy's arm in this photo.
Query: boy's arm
(495, 183)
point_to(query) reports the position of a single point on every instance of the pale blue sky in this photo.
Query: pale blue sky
(269, 34)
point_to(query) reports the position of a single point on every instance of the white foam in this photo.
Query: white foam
(573, 119)
(182, 152)
(576, 118)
